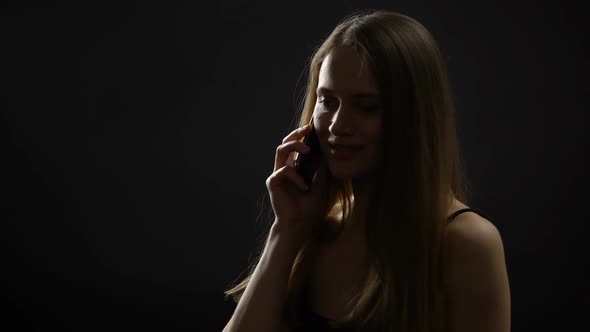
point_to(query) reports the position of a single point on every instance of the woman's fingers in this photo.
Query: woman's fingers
(291, 160)
(285, 149)
(287, 174)
(297, 133)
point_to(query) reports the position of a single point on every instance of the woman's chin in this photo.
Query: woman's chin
(342, 172)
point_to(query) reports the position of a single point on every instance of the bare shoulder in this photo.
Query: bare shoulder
(472, 244)
(471, 231)
(475, 275)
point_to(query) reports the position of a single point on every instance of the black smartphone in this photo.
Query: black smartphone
(306, 164)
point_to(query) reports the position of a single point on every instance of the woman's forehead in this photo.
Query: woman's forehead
(343, 72)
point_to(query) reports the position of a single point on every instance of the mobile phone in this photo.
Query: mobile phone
(306, 164)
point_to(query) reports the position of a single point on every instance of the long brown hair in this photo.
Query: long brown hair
(419, 174)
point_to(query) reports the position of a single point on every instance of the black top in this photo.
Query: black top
(458, 212)
(310, 321)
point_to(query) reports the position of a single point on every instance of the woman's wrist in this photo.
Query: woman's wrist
(289, 235)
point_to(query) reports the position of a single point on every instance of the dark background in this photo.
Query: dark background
(138, 138)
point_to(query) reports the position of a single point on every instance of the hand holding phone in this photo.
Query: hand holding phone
(298, 192)
(307, 164)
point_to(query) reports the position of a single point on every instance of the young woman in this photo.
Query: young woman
(383, 239)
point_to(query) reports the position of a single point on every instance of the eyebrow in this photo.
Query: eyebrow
(354, 95)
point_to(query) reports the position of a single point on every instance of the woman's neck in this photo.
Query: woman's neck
(361, 188)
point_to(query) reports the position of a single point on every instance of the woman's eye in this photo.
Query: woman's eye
(328, 103)
(325, 102)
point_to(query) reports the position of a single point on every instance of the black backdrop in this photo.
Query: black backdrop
(138, 137)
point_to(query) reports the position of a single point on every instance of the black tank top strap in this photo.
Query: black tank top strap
(458, 212)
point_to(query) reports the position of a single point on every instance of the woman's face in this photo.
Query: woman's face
(347, 112)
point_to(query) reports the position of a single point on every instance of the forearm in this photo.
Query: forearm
(261, 305)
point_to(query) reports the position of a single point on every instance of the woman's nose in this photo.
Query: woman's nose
(342, 121)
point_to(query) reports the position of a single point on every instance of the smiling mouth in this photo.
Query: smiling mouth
(340, 152)
(345, 147)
